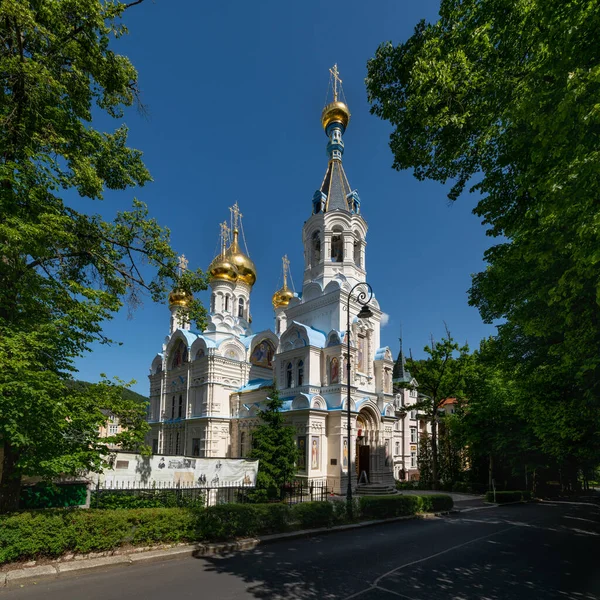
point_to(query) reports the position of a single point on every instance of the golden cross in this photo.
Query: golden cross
(336, 77)
(286, 268)
(235, 215)
(183, 263)
(224, 236)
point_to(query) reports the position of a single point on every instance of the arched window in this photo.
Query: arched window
(241, 308)
(212, 303)
(180, 411)
(316, 249)
(227, 303)
(278, 325)
(242, 444)
(173, 408)
(337, 248)
(357, 260)
(300, 372)
(289, 375)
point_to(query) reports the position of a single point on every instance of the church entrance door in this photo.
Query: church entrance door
(364, 461)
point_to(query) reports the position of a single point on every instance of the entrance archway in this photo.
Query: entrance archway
(366, 438)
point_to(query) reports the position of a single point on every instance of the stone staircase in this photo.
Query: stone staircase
(375, 489)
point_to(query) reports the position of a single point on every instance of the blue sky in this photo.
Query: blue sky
(234, 92)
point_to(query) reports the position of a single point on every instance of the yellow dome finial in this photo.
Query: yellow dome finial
(336, 111)
(221, 268)
(179, 297)
(282, 297)
(243, 263)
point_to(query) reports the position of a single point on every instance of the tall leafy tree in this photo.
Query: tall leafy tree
(274, 445)
(63, 269)
(503, 96)
(440, 376)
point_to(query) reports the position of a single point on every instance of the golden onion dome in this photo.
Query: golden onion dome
(282, 297)
(335, 112)
(179, 298)
(223, 269)
(245, 267)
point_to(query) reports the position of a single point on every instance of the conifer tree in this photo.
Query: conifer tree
(274, 445)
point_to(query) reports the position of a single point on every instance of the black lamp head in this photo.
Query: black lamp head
(365, 312)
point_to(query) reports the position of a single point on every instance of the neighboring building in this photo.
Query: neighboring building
(207, 388)
(110, 428)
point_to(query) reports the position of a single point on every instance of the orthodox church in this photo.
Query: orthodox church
(207, 388)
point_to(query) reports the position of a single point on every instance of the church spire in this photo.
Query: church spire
(400, 372)
(335, 192)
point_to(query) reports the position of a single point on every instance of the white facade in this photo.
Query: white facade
(207, 388)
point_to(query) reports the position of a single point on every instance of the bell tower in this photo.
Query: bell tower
(335, 235)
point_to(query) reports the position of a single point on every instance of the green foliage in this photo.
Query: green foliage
(436, 503)
(383, 507)
(442, 375)
(504, 97)
(28, 535)
(508, 496)
(48, 495)
(147, 499)
(64, 270)
(274, 445)
(314, 514)
(127, 393)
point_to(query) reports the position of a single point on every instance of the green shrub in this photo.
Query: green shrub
(147, 499)
(313, 514)
(226, 521)
(273, 518)
(436, 503)
(382, 507)
(53, 532)
(50, 495)
(511, 496)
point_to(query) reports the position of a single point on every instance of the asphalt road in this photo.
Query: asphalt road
(536, 552)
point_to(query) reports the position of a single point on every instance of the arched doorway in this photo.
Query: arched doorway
(366, 438)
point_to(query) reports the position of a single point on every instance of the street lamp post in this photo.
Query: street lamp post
(363, 297)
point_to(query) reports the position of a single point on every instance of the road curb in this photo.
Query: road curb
(74, 565)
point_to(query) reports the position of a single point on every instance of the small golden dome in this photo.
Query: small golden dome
(179, 298)
(245, 267)
(282, 297)
(335, 111)
(222, 268)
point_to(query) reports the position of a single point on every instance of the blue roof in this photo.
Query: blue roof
(315, 336)
(256, 384)
(190, 336)
(380, 354)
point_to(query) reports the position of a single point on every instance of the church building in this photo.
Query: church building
(207, 388)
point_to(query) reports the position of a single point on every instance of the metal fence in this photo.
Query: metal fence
(130, 494)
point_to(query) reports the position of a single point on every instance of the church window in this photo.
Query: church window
(289, 375)
(357, 261)
(173, 408)
(301, 372)
(278, 325)
(337, 249)
(226, 303)
(212, 303)
(180, 411)
(242, 444)
(241, 308)
(397, 448)
(195, 446)
(316, 248)
(178, 443)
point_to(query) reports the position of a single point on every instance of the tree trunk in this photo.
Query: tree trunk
(490, 472)
(10, 484)
(434, 452)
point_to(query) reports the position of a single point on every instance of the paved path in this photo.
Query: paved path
(541, 551)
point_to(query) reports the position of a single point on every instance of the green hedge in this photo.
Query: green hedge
(382, 507)
(146, 499)
(53, 532)
(511, 496)
(436, 503)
